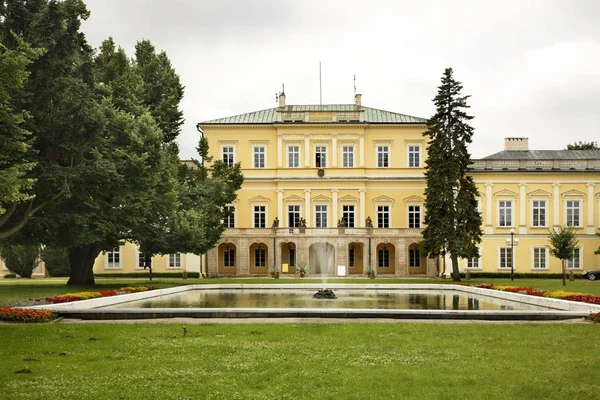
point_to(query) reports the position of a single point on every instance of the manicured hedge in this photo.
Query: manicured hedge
(144, 274)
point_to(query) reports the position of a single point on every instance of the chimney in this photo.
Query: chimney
(357, 99)
(516, 144)
(282, 99)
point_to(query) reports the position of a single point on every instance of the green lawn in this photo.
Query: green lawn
(295, 361)
(300, 361)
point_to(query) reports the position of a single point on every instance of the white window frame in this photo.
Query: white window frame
(474, 260)
(226, 221)
(512, 213)
(289, 224)
(324, 149)
(295, 153)
(253, 215)
(385, 149)
(353, 214)
(507, 250)
(579, 211)
(326, 211)
(408, 213)
(570, 263)
(347, 156)
(261, 249)
(546, 253)
(411, 152)
(106, 257)
(544, 208)
(255, 152)
(228, 146)
(388, 212)
(172, 261)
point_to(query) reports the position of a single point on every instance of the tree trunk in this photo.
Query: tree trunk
(455, 271)
(81, 261)
(564, 273)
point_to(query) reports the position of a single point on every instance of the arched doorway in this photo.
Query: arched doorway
(355, 258)
(258, 257)
(227, 263)
(288, 258)
(417, 264)
(322, 259)
(386, 258)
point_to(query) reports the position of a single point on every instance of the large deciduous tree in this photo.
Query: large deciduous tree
(453, 224)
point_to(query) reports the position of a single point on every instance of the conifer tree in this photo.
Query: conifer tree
(453, 224)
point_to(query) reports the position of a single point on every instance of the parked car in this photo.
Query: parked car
(591, 275)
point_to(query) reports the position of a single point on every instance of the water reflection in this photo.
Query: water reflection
(368, 299)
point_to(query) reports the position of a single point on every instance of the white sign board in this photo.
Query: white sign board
(341, 270)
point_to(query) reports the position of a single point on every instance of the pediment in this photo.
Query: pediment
(539, 193)
(573, 193)
(383, 199)
(349, 199)
(321, 199)
(293, 199)
(259, 199)
(505, 193)
(414, 199)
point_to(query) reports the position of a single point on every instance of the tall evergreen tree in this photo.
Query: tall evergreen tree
(453, 224)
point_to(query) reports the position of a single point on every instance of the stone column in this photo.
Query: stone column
(280, 206)
(522, 209)
(598, 207)
(279, 151)
(361, 222)
(489, 229)
(590, 211)
(334, 150)
(556, 204)
(307, 206)
(334, 206)
(307, 151)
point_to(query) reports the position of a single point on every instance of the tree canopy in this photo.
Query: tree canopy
(453, 223)
(583, 146)
(563, 243)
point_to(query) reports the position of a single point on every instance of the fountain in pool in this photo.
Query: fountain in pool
(322, 258)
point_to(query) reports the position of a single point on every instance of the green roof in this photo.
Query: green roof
(269, 116)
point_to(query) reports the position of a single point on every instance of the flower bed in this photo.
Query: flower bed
(555, 294)
(66, 298)
(12, 314)
(594, 318)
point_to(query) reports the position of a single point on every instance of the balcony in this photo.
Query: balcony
(322, 232)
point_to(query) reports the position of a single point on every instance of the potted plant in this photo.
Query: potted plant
(370, 272)
(301, 268)
(302, 225)
(273, 271)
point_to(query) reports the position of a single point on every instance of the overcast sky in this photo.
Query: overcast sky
(531, 67)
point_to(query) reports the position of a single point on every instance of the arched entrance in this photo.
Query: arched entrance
(355, 258)
(227, 259)
(288, 258)
(386, 258)
(417, 264)
(322, 259)
(258, 256)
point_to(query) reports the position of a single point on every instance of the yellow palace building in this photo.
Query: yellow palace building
(340, 187)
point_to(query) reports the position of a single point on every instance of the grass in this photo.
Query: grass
(295, 361)
(300, 361)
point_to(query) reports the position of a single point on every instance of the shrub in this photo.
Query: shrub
(10, 276)
(594, 318)
(20, 259)
(56, 260)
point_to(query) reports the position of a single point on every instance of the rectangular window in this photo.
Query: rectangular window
(348, 156)
(293, 216)
(414, 156)
(260, 257)
(414, 258)
(321, 156)
(292, 257)
(229, 257)
(505, 213)
(383, 156)
(539, 212)
(229, 219)
(293, 156)
(383, 216)
(175, 260)
(321, 216)
(473, 263)
(539, 258)
(383, 258)
(260, 216)
(259, 157)
(573, 213)
(228, 156)
(142, 261)
(575, 262)
(113, 258)
(414, 216)
(505, 257)
(351, 256)
(348, 215)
